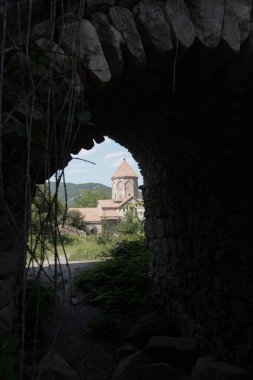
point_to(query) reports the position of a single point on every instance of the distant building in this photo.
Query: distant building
(124, 192)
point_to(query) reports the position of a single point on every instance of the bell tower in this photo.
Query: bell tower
(124, 183)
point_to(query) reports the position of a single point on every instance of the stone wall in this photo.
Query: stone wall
(171, 81)
(198, 206)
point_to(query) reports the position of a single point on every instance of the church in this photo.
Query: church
(111, 211)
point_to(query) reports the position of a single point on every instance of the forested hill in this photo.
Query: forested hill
(73, 190)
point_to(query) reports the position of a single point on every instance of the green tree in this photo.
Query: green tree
(47, 210)
(46, 214)
(131, 224)
(89, 198)
(74, 218)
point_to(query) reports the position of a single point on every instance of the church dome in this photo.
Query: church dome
(124, 171)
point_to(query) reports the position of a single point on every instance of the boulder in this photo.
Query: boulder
(155, 33)
(208, 368)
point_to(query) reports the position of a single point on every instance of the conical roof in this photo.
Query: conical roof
(124, 171)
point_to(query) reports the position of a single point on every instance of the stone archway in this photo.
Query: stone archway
(172, 81)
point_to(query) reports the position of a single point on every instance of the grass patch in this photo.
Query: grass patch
(122, 288)
(81, 248)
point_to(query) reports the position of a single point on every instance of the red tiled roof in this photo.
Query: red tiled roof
(107, 203)
(126, 201)
(90, 215)
(110, 214)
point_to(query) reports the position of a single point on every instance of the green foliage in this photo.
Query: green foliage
(46, 210)
(131, 224)
(46, 213)
(107, 234)
(89, 198)
(79, 248)
(74, 218)
(72, 190)
(121, 286)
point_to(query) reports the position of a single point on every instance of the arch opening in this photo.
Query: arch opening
(182, 103)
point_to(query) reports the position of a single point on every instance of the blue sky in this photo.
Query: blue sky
(107, 157)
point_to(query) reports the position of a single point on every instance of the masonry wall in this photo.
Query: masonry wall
(198, 218)
(199, 228)
(176, 90)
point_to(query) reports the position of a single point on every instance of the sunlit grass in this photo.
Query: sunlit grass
(76, 248)
(81, 248)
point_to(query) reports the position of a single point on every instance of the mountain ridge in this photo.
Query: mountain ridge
(74, 189)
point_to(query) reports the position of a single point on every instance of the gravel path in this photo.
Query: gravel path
(90, 358)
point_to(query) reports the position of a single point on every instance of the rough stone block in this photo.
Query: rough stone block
(178, 352)
(123, 21)
(127, 3)
(155, 33)
(127, 366)
(112, 42)
(54, 366)
(207, 18)
(80, 38)
(180, 22)
(236, 25)
(62, 64)
(98, 5)
(159, 371)
(43, 29)
(207, 368)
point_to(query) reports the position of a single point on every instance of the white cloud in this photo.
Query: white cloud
(113, 155)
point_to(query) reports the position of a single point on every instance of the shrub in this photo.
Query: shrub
(122, 287)
(74, 218)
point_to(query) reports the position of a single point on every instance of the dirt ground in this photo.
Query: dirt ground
(69, 332)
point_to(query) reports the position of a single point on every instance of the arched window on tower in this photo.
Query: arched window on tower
(129, 189)
(121, 190)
